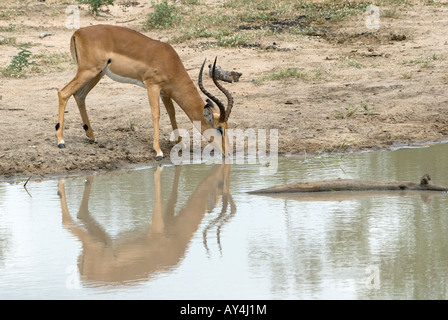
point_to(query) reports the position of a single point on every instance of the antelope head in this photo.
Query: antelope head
(217, 118)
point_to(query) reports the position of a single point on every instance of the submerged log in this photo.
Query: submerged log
(352, 185)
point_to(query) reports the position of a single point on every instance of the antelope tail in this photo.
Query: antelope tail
(73, 49)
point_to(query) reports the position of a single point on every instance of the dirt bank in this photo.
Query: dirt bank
(353, 89)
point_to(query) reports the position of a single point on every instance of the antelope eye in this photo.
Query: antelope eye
(221, 130)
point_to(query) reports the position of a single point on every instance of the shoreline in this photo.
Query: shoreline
(17, 179)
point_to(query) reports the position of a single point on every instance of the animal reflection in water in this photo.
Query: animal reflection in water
(129, 258)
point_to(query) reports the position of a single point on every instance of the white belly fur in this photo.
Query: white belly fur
(118, 78)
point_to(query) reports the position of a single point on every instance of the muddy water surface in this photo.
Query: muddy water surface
(193, 232)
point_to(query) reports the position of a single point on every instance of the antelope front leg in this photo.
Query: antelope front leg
(172, 114)
(60, 124)
(154, 97)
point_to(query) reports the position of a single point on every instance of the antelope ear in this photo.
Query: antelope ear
(208, 114)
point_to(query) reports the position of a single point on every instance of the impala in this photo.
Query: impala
(145, 252)
(128, 56)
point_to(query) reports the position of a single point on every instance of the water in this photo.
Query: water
(193, 232)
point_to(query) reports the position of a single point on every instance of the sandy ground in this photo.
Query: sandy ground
(363, 90)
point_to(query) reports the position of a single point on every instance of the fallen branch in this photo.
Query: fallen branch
(45, 34)
(126, 21)
(26, 182)
(352, 185)
(24, 186)
(228, 76)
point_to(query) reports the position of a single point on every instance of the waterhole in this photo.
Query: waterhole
(193, 232)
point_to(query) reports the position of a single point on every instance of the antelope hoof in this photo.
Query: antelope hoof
(158, 158)
(61, 145)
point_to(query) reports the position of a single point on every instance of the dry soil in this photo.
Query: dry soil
(360, 89)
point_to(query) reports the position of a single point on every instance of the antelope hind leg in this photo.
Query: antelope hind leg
(79, 81)
(80, 97)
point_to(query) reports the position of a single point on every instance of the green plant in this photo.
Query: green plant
(407, 75)
(19, 63)
(95, 5)
(9, 28)
(350, 110)
(131, 125)
(291, 73)
(53, 62)
(8, 14)
(191, 2)
(390, 13)
(424, 62)
(164, 16)
(8, 41)
(334, 10)
(282, 75)
(367, 110)
(232, 40)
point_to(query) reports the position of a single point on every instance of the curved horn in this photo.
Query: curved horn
(223, 90)
(222, 110)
